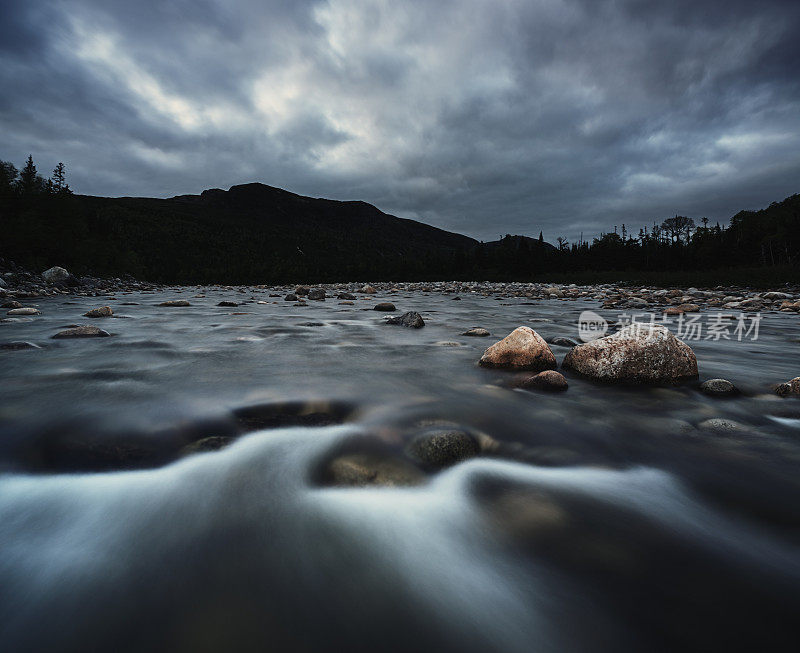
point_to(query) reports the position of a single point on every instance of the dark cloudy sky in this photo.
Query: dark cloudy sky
(484, 117)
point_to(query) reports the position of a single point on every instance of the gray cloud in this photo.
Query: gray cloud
(486, 118)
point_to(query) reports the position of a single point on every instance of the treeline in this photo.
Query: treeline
(29, 183)
(257, 234)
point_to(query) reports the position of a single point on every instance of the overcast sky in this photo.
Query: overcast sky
(484, 117)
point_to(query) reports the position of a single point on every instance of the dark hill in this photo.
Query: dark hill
(252, 233)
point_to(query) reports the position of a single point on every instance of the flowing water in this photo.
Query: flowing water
(602, 520)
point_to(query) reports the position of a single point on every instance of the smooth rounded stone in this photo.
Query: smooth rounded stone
(527, 515)
(456, 299)
(103, 311)
(790, 388)
(412, 320)
(722, 426)
(212, 443)
(367, 290)
(86, 331)
(673, 310)
(300, 304)
(301, 290)
(356, 470)
(637, 302)
(316, 293)
(562, 342)
(689, 308)
(776, 295)
(175, 302)
(18, 345)
(548, 380)
(718, 388)
(385, 306)
(346, 295)
(11, 304)
(443, 447)
(24, 311)
(639, 353)
(55, 274)
(522, 349)
(225, 302)
(290, 298)
(478, 332)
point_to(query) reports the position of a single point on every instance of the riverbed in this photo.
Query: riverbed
(602, 518)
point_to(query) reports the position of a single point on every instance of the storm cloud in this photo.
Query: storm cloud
(484, 117)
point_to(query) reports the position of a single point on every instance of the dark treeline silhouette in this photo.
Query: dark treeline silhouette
(258, 234)
(28, 182)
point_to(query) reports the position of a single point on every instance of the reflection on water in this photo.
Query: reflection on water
(601, 519)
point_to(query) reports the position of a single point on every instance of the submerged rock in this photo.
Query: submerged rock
(478, 332)
(211, 443)
(639, 353)
(547, 380)
(226, 302)
(412, 319)
(722, 426)
(718, 388)
(790, 388)
(562, 342)
(361, 469)
(175, 302)
(522, 349)
(24, 311)
(11, 304)
(103, 311)
(17, 345)
(86, 331)
(440, 448)
(290, 298)
(385, 306)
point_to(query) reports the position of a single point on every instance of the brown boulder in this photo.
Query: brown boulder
(522, 349)
(639, 353)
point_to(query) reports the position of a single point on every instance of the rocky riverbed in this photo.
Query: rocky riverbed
(284, 466)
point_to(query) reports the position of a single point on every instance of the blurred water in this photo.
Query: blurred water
(606, 521)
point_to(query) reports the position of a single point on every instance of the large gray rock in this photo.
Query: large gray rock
(412, 319)
(522, 349)
(86, 331)
(55, 274)
(316, 293)
(639, 353)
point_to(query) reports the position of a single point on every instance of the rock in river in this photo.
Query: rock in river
(55, 274)
(412, 319)
(639, 353)
(522, 349)
(103, 311)
(443, 447)
(548, 380)
(790, 388)
(476, 331)
(175, 302)
(316, 293)
(86, 331)
(718, 388)
(385, 306)
(228, 303)
(24, 311)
